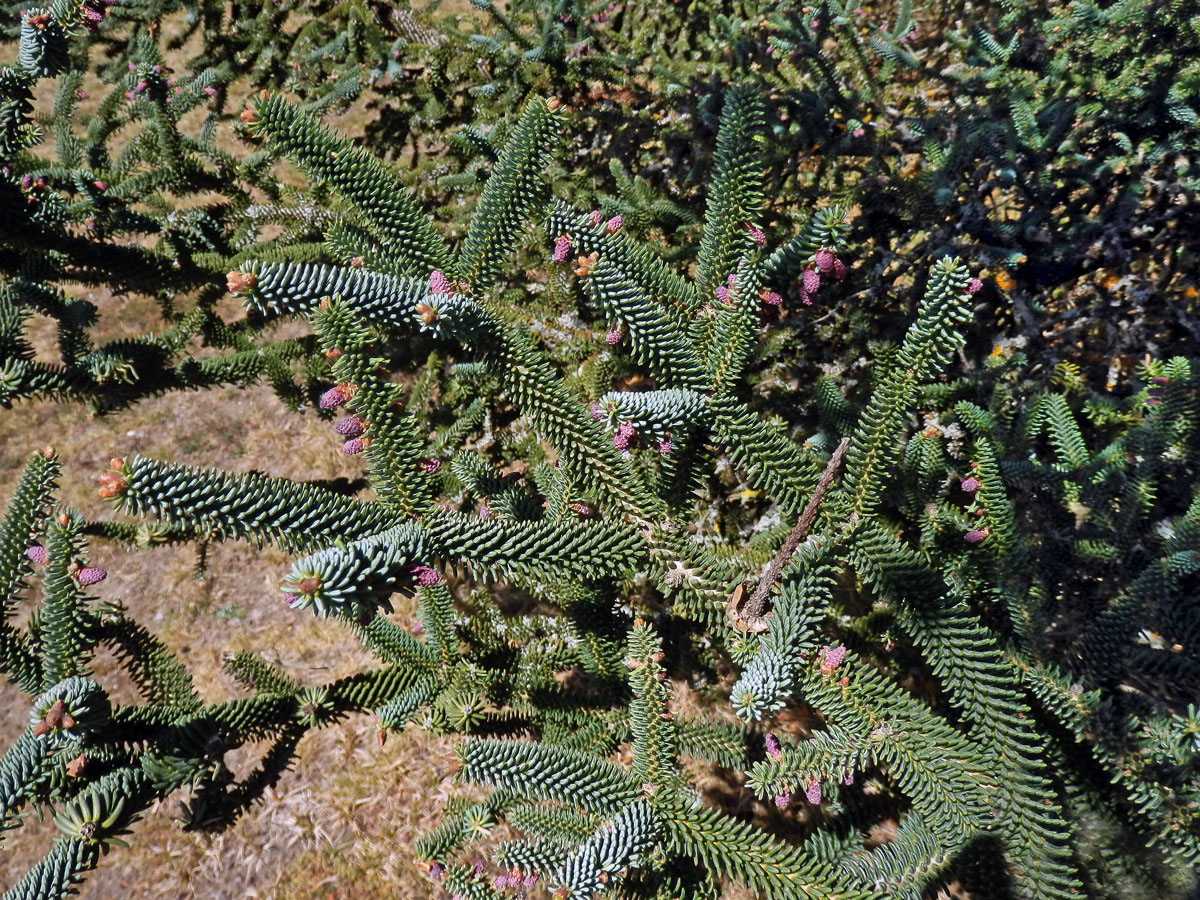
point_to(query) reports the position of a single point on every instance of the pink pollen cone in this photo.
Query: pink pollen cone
(773, 749)
(813, 792)
(624, 436)
(351, 427)
(562, 248)
(831, 658)
(333, 398)
(91, 575)
(424, 576)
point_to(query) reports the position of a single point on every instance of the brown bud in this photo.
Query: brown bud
(248, 116)
(48, 451)
(112, 484)
(240, 282)
(54, 715)
(41, 728)
(333, 353)
(116, 464)
(309, 585)
(381, 736)
(553, 104)
(68, 720)
(357, 262)
(63, 519)
(75, 766)
(428, 314)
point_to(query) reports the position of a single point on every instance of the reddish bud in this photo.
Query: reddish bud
(56, 712)
(240, 282)
(426, 313)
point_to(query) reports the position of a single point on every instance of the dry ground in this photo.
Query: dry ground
(343, 822)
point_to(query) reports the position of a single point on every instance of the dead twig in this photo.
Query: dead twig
(749, 615)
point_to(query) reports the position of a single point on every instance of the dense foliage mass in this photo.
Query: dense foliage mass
(807, 391)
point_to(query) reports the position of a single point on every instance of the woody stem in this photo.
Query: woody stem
(757, 604)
